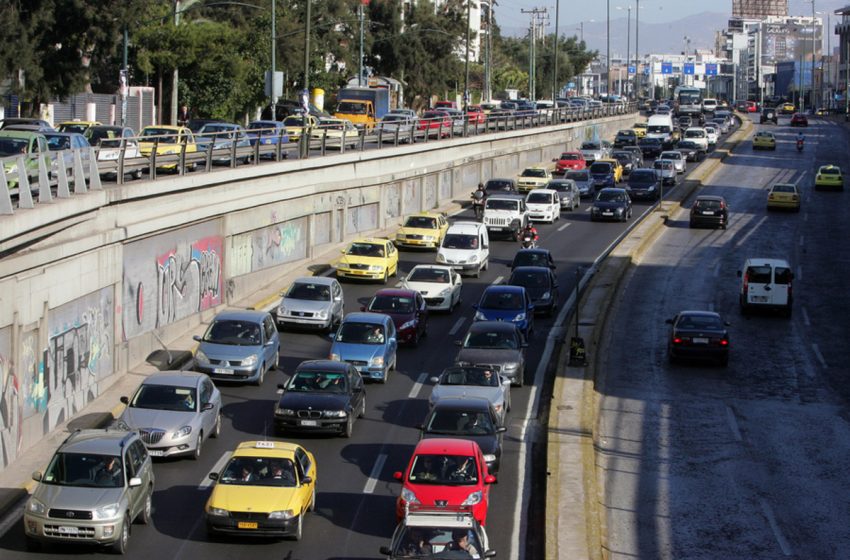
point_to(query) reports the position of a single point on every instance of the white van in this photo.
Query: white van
(465, 248)
(660, 126)
(766, 283)
(709, 105)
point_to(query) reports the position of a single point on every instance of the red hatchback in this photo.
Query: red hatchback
(446, 472)
(799, 119)
(570, 161)
(475, 114)
(408, 310)
(436, 120)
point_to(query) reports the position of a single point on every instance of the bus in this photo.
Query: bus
(687, 100)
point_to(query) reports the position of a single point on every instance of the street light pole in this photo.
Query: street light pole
(360, 72)
(466, 63)
(628, 47)
(637, 51)
(175, 77)
(608, 48)
(272, 80)
(555, 69)
(307, 51)
(814, 30)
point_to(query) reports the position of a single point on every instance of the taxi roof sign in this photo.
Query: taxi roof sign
(264, 445)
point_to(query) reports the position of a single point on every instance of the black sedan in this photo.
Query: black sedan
(643, 184)
(533, 257)
(700, 335)
(651, 147)
(691, 150)
(611, 204)
(626, 159)
(321, 396)
(710, 211)
(603, 174)
(540, 283)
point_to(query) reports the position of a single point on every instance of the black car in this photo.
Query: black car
(698, 335)
(469, 418)
(637, 154)
(691, 150)
(321, 396)
(611, 204)
(625, 138)
(533, 257)
(541, 284)
(709, 210)
(643, 184)
(626, 159)
(603, 174)
(651, 147)
(768, 115)
(500, 186)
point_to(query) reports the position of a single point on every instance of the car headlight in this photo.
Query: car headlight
(619, 210)
(218, 512)
(490, 458)
(182, 432)
(510, 366)
(335, 414)
(375, 268)
(498, 408)
(479, 316)
(651, 188)
(323, 314)
(547, 295)
(335, 357)
(408, 496)
(35, 506)
(407, 325)
(282, 514)
(441, 258)
(106, 512)
(473, 498)
(169, 152)
(519, 317)
(428, 238)
(377, 361)
(400, 236)
(250, 360)
(282, 310)
(201, 357)
(472, 259)
(284, 412)
(445, 292)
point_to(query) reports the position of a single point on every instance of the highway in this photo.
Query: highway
(749, 461)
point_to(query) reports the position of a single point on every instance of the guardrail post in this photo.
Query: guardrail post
(363, 141)
(43, 181)
(324, 141)
(233, 151)
(152, 170)
(79, 174)
(122, 150)
(5, 195)
(257, 148)
(62, 189)
(24, 193)
(208, 159)
(94, 172)
(181, 164)
(279, 145)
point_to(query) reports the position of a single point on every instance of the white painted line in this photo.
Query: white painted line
(733, 424)
(819, 356)
(373, 476)
(207, 482)
(799, 273)
(805, 317)
(716, 271)
(802, 240)
(777, 532)
(417, 386)
(497, 281)
(456, 327)
(565, 226)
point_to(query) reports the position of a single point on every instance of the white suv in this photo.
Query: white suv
(506, 213)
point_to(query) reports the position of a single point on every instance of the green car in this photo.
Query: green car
(14, 143)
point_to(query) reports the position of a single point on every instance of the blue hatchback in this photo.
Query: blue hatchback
(368, 341)
(506, 303)
(238, 346)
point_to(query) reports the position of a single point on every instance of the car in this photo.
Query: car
(368, 341)
(238, 346)
(422, 231)
(640, 129)
(544, 205)
(500, 186)
(763, 140)
(167, 142)
(446, 472)
(435, 122)
(603, 173)
(583, 180)
(196, 124)
(637, 155)
(264, 490)
(25, 121)
(569, 195)
(752, 107)
(712, 133)
(111, 142)
(698, 135)
(506, 213)
(709, 210)
(31, 145)
(269, 134)
(651, 147)
(371, 258)
(174, 412)
(495, 345)
(536, 256)
(569, 161)
(66, 144)
(408, 310)
(784, 196)
(427, 531)
(506, 303)
(321, 396)
(685, 122)
(470, 417)
(626, 137)
(77, 127)
(615, 165)
(625, 159)
(336, 133)
(829, 177)
(439, 285)
(643, 185)
(296, 125)
(787, 109)
(722, 124)
(541, 284)
(397, 125)
(475, 114)
(665, 170)
(473, 382)
(799, 119)
(533, 177)
(692, 151)
(698, 335)
(676, 157)
(97, 483)
(611, 204)
(766, 283)
(709, 105)
(311, 302)
(768, 115)
(593, 150)
(466, 246)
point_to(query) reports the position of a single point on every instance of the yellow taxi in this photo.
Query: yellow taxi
(295, 125)
(534, 177)
(374, 258)
(618, 168)
(79, 127)
(264, 490)
(787, 109)
(784, 196)
(168, 140)
(830, 177)
(764, 140)
(422, 230)
(640, 129)
(332, 132)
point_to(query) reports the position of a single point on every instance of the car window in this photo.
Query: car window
(318, 382)
(206, 392)
(309, 291)
(391, 304)
(303, 461)
(493, 340)
(502, 300)
(437, 275)
(758, 274)
(422, 222)
(175, 398)
(366, 250)
(239, 333)
(449, 470)
(459, 422)
(782, 275)
(360, 333)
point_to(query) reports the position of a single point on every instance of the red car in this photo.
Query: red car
(446, 472)
(570, 161)
(799, 119)
(433, 120)
(408, 310)
(475, 114)
(445, 105)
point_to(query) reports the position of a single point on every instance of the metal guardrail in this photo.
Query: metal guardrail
(37, 178)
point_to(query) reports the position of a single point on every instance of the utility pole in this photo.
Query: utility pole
(555, 69)
(608, 49)
(628, 48)
(175, 77)
(814, 29)
(536, 16)
(637, 49)
(488, 89)
(307, 51)
(272, 80)
(466, 62)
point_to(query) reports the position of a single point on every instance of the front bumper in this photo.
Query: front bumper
(643, 194)
(252, 525)
(302, 322)
(82, 531)
(607, 215)
(360, 274)
(296, 424)
(543, 216)
(229, 373)
(416, 243)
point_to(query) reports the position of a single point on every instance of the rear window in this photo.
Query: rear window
(707, 204)
(758, 274)
(578, 175)
(827, 171)
(782, 275)
(600, 167)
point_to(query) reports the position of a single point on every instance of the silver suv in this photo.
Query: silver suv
(96, 485)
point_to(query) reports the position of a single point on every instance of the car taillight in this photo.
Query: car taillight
(746, 281)
(677, 340)
(770, 196)
(724, 342)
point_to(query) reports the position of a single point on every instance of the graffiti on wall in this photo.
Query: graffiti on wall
(361, 218)
(171, 276)
(11, 413)
(32, 372)
(278, 244)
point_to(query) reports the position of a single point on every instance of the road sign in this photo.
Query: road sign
(710, 69)
(688, 69)
(666, 67)
(646, 70)
(632, 69)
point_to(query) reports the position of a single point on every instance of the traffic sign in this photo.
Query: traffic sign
(632, 69)
(710, 69)
(688, 69)
(666, 67)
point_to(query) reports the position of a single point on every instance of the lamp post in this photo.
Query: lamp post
(628, 43)
(307, 50)
(637, 52)
(608, 48)
(814, 32)
(466, 63)
(555, 69)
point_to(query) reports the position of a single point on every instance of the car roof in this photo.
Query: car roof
(536, 269)
(534, 250)
(99, 441)
(472, 227)
(373, 240)
(493, 326)
(323, 365)
(433, 266)
(166, 127)
(710, 197)
(265, 449)
(829, 166)
(760, 261)
(543, 167)
(546, 191)
(174, 378)
(426, 215)
(446, 446)
(321, 280)
(506, 196)
(241, 315)
(366, 317)
(614, 189)
(22, 134)
(503, 289)
(465, 402)
(396, 292)
(699, 313)
(784, 185)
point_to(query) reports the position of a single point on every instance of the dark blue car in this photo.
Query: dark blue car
(643, 184)
(602, 173)
(506, 303)
(269, 134)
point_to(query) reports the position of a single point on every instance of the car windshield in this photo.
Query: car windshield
(259, 471)
(694, 134)
(437, 275)
(78, 128)
(785, 188)
(491, 340)
(478, 376)
(578, 175)
(421, 222)
(539, 198)
(530, 258)
(461, 240)
(530, 279)
(365, 250)
(165, 397)
(610, 196)
(502, 301)
(318, 382)
(707, 204)
(570, 157)
(58, 142)
(215, 128)
(293, 121)
(590, 146)
(13, 146)
(85, 470)
(351, 108)
(711, 322)
(445, 470)
(601, 167)
(391, 304)
(233, 332)
(534, 173)
(671, 155)
(496, 185)
(641, 177)
(501, 204)
(459, 423)
(96, 134)
(560, 185)
(650, 141)
(309, 291)
(264, 128)
(360, 333)
(163, 135)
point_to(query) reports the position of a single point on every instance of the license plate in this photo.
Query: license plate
(707, 213)
(223, 371)
(247, 525)
(156, 452)
(700, 340)
(68, 530)
(309, 423)
(607, 213)
(758, 299)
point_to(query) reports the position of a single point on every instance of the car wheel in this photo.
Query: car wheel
(349, 427)
(386, 276)
(362, 408)
(145, 515)
(120, 546)
(415, 341)
(519, 381)
(137, 174)
(261, 375)
(299, 528)
(217, 428)
(486, 264)
(312, 506)
(196, 454)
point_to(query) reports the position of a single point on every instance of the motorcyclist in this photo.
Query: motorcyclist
(529, 231)
(478, 197)
(800, 140)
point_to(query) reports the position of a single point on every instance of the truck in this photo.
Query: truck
(363, 106)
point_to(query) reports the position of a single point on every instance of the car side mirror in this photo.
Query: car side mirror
(124, 400)
(331, 335)
(197, 338)
(397, 475)
(501, 430)
(207, 406)
(362, 308)
(307, 480)
(269, 343)
(36, 476)
(727, 324)
(434, 379)
(134, 482)
(475, 306)
(213, 476)
(490, 554)
(458, 343)
(385, 550)
(489, 479)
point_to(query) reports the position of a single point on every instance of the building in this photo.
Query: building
(842, 76)
(759, 9)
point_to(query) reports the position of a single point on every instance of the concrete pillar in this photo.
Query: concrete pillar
(91, 111)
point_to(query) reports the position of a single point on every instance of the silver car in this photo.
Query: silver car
(474, 382)
(583, 180)
(568, 193)
(174, 412)
(676, 157)
(396, 124)
(312, 302)
(96, 485)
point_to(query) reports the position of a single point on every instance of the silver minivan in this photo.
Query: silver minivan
(766, 283)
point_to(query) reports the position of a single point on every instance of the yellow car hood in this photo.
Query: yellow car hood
(419, 231)
(372, 261)
(263, 499)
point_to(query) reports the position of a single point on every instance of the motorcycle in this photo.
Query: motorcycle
(799, 145)
(478, 205)
(528, 241)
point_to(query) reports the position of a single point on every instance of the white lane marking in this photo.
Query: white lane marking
(733, 423)
(376, 472)
(716, 271)
(13, 517)
(207, 482)
(417, 386)
(806, 317)
(799, 273)
(818, 355)
(777, 532)
(456, 327)
(802, 240)
(497, 281)
(565, 226)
